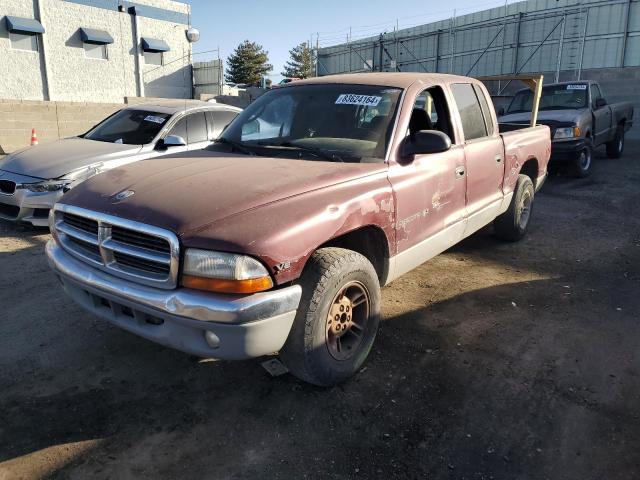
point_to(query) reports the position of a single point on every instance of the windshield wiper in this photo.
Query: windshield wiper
(316, 152)
(237, 145)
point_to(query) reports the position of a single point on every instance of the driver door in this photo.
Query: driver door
(430, 190)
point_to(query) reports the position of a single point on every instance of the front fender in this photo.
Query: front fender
(284, 234)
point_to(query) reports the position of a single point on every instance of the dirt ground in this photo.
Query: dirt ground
(494, 361)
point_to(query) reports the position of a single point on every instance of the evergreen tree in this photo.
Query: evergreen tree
(248, 63)
(301, 63)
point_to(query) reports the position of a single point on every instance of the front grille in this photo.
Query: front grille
(10, 211)
(139, 239)
(137, 252)
(140, 263)
(85, 224)
(7, 187)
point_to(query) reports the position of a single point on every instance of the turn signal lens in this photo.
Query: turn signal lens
(576, 131)
(252, 285)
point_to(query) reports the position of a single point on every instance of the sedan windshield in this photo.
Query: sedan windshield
(557, 97)
(132, 127)
(334, 122)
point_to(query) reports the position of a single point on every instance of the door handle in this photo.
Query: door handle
(460, 171)
(498, 158)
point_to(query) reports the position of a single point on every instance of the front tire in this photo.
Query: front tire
(512, 225)
(581, 167)
(615, 147)
(337, 319)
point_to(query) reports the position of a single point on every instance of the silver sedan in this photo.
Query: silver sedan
(32, 180)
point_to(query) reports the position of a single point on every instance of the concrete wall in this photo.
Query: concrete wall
(52, 120)
(28, 83)
(70, 75)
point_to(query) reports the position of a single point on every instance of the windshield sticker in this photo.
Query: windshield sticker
(576, 87)
(353, 99)
(154, 119)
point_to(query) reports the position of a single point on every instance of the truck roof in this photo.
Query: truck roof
(387, 79)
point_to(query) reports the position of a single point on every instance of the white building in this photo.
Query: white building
(94, 50)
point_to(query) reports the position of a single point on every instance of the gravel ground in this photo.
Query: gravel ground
(494, 360)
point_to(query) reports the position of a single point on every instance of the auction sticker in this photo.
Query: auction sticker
(154, 119)
(354, 99)
(576, 87)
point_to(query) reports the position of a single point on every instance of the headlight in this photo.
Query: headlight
(224, 272)
(46, 186)
(568, 132)
(71, 179)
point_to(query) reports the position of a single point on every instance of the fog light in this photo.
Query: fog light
(212, 339)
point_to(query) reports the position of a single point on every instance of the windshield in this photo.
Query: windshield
(132, 127)
(557, 97)
(318, 122)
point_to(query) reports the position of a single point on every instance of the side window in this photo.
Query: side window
(425, 102)
(595, 94)
(471, 116)
(221, 120)
(180, 129)
(196, 128)
(486, 111)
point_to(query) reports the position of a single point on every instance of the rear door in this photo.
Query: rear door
(483, 151)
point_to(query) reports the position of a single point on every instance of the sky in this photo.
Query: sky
(279, 25)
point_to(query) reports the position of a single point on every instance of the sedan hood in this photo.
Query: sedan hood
(544, 116)
(53, 160)
(193, 191)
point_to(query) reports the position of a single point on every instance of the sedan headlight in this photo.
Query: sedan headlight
(70, 180)
(566, 132)
(224, 272)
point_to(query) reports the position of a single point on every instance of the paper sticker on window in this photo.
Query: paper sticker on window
(154, 119)
(576, 87)
(353, 99)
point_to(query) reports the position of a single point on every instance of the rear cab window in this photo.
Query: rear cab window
(474, 125)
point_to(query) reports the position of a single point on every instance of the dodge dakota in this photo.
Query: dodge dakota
(580, 119)
(279, 236)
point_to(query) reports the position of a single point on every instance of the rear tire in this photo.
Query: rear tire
(512, 225)
(615, 147)
(337, 319)
(581, 167)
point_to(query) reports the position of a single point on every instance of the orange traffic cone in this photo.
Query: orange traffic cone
(34, 138)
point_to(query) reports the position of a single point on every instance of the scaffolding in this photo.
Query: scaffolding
(527, 37)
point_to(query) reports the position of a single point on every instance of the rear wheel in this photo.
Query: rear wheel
(337, 319)
(615, 147)
(512, 225)
(581, 167)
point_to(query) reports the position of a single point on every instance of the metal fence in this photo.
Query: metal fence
(524, 37)
(207, 78)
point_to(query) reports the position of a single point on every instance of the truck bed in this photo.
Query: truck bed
(522, 143)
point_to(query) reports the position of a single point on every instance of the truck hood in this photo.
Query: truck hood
(193, 191)
(53, 160)
(560, 116)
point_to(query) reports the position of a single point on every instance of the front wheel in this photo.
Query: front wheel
(616, 146)
(512, 225)
(581, 167)
(337, 319)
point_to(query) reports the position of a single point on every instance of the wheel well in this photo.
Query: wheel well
(369, 241)
(530, 169)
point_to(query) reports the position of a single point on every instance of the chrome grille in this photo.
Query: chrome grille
(7, 187)
(131, 250)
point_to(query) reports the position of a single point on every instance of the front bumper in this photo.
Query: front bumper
(24, 205)
(566, 150)
(204, 324)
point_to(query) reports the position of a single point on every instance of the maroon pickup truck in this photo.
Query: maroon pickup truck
(278, 237)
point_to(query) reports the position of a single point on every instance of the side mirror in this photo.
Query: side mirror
(424, 142)
(601, 102)
(501, 111)
(174, 141)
